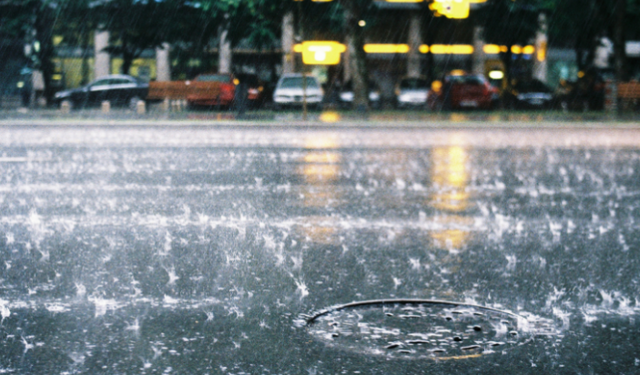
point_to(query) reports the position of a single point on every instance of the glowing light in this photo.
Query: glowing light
(516, 50)
(491, 49)
(424, 48)
(320, 52)
(386, 48)
(457, 9)
(542, 52)
(496, 74)
(454, 49)
(528, 50)
(362, 23)
(330, 117)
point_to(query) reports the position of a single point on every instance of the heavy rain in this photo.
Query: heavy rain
(319, 187)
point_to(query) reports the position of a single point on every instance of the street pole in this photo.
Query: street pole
(304, 67)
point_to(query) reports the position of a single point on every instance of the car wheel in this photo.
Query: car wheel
(133, 103)
(585, 106)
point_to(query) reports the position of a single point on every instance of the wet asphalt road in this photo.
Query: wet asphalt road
(202, 250)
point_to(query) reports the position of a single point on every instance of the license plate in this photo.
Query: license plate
(468, 103)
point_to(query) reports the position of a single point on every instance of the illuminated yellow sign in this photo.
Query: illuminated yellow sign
(386, 48)
(320, 52)
(457, 9)
(494, 49)
(456, 49)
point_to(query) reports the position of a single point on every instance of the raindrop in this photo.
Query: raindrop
(470, 347)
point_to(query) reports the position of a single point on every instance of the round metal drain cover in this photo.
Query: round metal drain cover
(423, 328)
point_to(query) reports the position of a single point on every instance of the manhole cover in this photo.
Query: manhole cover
(423, 328)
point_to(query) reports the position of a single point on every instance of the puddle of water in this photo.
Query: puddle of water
(424, 329)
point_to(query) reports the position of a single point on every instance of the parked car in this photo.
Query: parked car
(585, 93)
(529, 94)
(463, 91)
(212, 89)
(289, 92)
(412, 92)
(346, 95)
(119, 89)
(255, 89)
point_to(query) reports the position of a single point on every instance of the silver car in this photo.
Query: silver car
(289, 91)
(412, 92)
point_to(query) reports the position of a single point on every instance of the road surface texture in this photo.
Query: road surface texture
(253, 250)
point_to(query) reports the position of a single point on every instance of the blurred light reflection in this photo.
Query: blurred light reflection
(320, 169)
(450, 178)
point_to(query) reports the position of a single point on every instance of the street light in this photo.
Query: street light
(320, 52)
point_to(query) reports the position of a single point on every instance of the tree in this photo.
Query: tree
(135, 26)
(509, 23)
(34, 21)
(354, 11)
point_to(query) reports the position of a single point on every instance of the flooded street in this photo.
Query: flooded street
(204, 250)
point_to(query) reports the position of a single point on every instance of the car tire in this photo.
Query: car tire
(133, 103)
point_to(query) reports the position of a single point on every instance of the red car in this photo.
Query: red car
(212, 89)
(463, 91)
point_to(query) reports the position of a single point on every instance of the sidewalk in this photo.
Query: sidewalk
(386, 118)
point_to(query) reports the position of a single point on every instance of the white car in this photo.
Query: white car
(412, 92)
(289, 91)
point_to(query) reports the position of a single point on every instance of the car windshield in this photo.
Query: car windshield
(222, 78)
(296, 83)
(466, 79)
(414, 84)
(532, 86)
(349, 86)
(248, 79)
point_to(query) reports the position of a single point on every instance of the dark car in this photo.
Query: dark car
(585, 93)
(118, 89)
(346, 95)
(529, 94)
(256, 96)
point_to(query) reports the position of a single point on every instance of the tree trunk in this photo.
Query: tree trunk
(619, 42)
(86, 42)
(358, 58)
(127, 61)
(44, 34)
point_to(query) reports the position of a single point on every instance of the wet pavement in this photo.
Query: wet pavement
(208, 250)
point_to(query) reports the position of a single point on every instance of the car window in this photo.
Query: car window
(121, 81)
(102, 82)
(413, 83)
(296, 83)
(349, 86)
(248, 79)
(473, 80)
(222, 78)
(532, 86)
